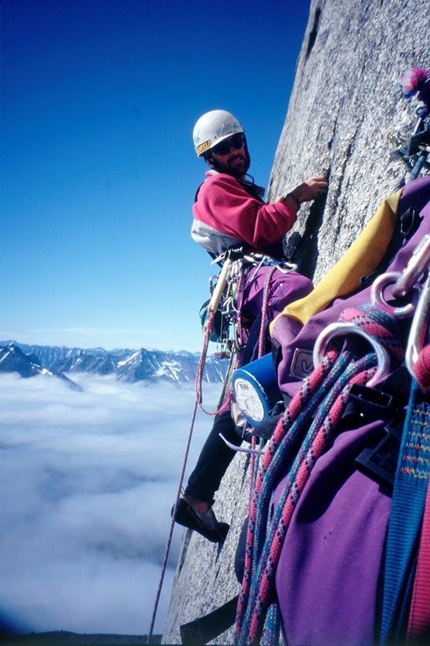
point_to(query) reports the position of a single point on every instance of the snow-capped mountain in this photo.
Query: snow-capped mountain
(14, 359)
(126, 365)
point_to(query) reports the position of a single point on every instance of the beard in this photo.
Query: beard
(236, 166)
(239, 164)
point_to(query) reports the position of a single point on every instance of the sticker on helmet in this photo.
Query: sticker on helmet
(201, 148)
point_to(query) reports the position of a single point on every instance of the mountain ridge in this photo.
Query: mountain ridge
(124, 364)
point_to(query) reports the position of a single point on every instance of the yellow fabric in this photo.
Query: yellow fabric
(361, 259)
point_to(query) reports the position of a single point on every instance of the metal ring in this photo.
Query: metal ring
(418, 263)
(377, 296)
(338, 329)
(418, 330)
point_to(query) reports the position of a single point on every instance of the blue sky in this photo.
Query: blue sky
(98, 172)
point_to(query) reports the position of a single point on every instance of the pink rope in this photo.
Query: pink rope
(264, 310)
(197, 403)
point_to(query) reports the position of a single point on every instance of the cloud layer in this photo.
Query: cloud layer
(87, 480)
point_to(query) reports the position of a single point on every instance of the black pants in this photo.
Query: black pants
(215, 455)
(214, 459)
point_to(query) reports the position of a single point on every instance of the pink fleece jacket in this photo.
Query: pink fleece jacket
(226, 215)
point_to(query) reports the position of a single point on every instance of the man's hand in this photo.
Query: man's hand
(310, 189)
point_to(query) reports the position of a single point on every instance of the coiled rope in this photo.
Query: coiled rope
(300, 438)
(254, 456)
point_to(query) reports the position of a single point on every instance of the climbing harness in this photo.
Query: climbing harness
(242, 271)
(239, 270)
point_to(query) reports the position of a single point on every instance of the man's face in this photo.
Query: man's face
(231, 156)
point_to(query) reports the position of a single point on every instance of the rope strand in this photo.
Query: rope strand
(197, 404)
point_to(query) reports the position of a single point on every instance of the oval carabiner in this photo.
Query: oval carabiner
(377, 294)
(338, 329)
(418, 328)
(417, 265)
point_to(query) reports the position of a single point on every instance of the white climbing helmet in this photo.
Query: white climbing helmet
(213, 127)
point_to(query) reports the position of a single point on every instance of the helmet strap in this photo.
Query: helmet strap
(213, 163)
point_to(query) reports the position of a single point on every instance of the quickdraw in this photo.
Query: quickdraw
(414, 149)
(238, 269)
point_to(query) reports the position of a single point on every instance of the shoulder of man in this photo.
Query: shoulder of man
(224, 179)
(214, 179)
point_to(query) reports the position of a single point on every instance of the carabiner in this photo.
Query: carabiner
(338, 329)
(418, 263)
(377, 294)
(418, 328)
(240, 449)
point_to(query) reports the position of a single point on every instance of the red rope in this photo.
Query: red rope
(197, 403)
(264, 310)
(201, 368)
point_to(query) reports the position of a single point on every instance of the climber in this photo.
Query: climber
(229, 212)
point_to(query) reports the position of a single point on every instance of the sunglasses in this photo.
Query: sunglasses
(236, 142)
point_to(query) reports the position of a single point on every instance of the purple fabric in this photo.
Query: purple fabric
(416, 194)
(328, 572)
(285, 287)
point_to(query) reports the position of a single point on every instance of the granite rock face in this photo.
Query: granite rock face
(344, 106)
(205, 576)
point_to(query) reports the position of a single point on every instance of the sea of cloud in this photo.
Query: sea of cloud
(87, 481)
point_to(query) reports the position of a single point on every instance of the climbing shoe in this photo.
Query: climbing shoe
(205, 524)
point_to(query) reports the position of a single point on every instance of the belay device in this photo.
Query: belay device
(255, 389)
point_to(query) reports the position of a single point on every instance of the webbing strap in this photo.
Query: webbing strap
(205, 629)
(419, 616)
(409, 494)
